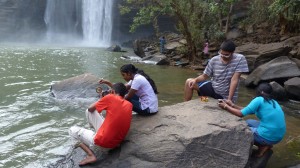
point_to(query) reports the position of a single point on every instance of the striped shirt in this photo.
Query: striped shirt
(221, 73)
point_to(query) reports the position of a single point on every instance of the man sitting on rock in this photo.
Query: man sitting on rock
(224, 70)
(111, 131)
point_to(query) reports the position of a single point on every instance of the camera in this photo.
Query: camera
(102, 92)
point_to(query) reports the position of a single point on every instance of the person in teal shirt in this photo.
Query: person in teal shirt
(271, 127)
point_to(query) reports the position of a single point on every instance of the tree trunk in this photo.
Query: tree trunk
(228, 19)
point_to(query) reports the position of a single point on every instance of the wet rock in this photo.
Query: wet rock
(82, 86)
(114, 48)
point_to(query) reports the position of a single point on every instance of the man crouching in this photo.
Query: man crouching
(111, 131)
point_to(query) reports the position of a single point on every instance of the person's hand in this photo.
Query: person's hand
(222, 104)
(229, 102)
(104, 81)
(192, 83)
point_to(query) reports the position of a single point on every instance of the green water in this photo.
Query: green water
(34, 126)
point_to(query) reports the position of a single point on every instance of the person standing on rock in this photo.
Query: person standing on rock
(162, 42)
(111, 131)
(224, 70)
(206, 50)
(271, 128)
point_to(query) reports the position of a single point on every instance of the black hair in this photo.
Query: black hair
(129, 68)
(228, 45)
(265, 90)
(119, 88)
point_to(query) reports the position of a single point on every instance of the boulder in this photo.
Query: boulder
(82, 86)
(114, 48)
(292, 87)
(188, 134)
(278, 91)
(138, 48)
(259, 54)
(157, 59)
(171, 46)
(281, 67)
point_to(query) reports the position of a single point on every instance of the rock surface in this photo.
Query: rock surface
(281, 67)
(292, 87)
(189, 134)
(82, 86)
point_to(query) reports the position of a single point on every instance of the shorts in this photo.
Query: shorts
(206, 89)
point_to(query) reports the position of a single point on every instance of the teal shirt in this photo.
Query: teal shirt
(272, 122)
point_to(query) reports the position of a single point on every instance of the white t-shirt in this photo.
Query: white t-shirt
(144, 91)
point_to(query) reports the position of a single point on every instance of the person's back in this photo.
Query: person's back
(145, 93)
(117, 121)
(272, 121)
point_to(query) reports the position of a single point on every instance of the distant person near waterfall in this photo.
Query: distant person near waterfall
(162, 42)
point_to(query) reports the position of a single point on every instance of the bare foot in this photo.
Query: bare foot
(262, 150)
(87, 160)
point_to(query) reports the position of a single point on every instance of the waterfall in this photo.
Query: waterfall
(85, 21)
(97, 21)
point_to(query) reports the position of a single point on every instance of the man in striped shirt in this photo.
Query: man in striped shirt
(224, 70)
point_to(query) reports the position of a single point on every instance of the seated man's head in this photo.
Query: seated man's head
(227, 48)
(119, 88)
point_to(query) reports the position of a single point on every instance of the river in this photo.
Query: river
(34, 125)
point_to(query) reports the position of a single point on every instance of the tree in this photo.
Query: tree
(287, 12)
(193, 18)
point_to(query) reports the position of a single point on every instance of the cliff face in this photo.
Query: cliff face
(22, 20)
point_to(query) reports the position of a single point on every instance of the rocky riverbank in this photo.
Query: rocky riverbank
(276, 61)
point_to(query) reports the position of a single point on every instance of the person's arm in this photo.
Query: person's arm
(231, 104)
(200, 78)
(233, 84)
(107, 82)
(92, 107)
(130, 94)
(232, 110)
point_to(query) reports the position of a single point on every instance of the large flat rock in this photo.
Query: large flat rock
(188, 134)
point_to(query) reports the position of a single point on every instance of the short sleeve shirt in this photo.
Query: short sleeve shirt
(221, 73)
(144, 91)
(117, 120)
(272, 121)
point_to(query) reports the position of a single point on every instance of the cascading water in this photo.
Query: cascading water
(97, 21)
(86, 21)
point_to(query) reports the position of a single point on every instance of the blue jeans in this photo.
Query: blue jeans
(137, 106)
(258, 140)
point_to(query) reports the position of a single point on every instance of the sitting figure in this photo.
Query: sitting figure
(111, 131)
(271, 128)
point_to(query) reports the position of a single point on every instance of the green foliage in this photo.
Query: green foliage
(287, 12)
(193, 17)
(259, 11)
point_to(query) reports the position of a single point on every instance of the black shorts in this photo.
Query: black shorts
(206, 89)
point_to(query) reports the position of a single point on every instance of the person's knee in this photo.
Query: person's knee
(188, 81)
(74, 131)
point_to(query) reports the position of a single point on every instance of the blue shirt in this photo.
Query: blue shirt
(272, 123)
